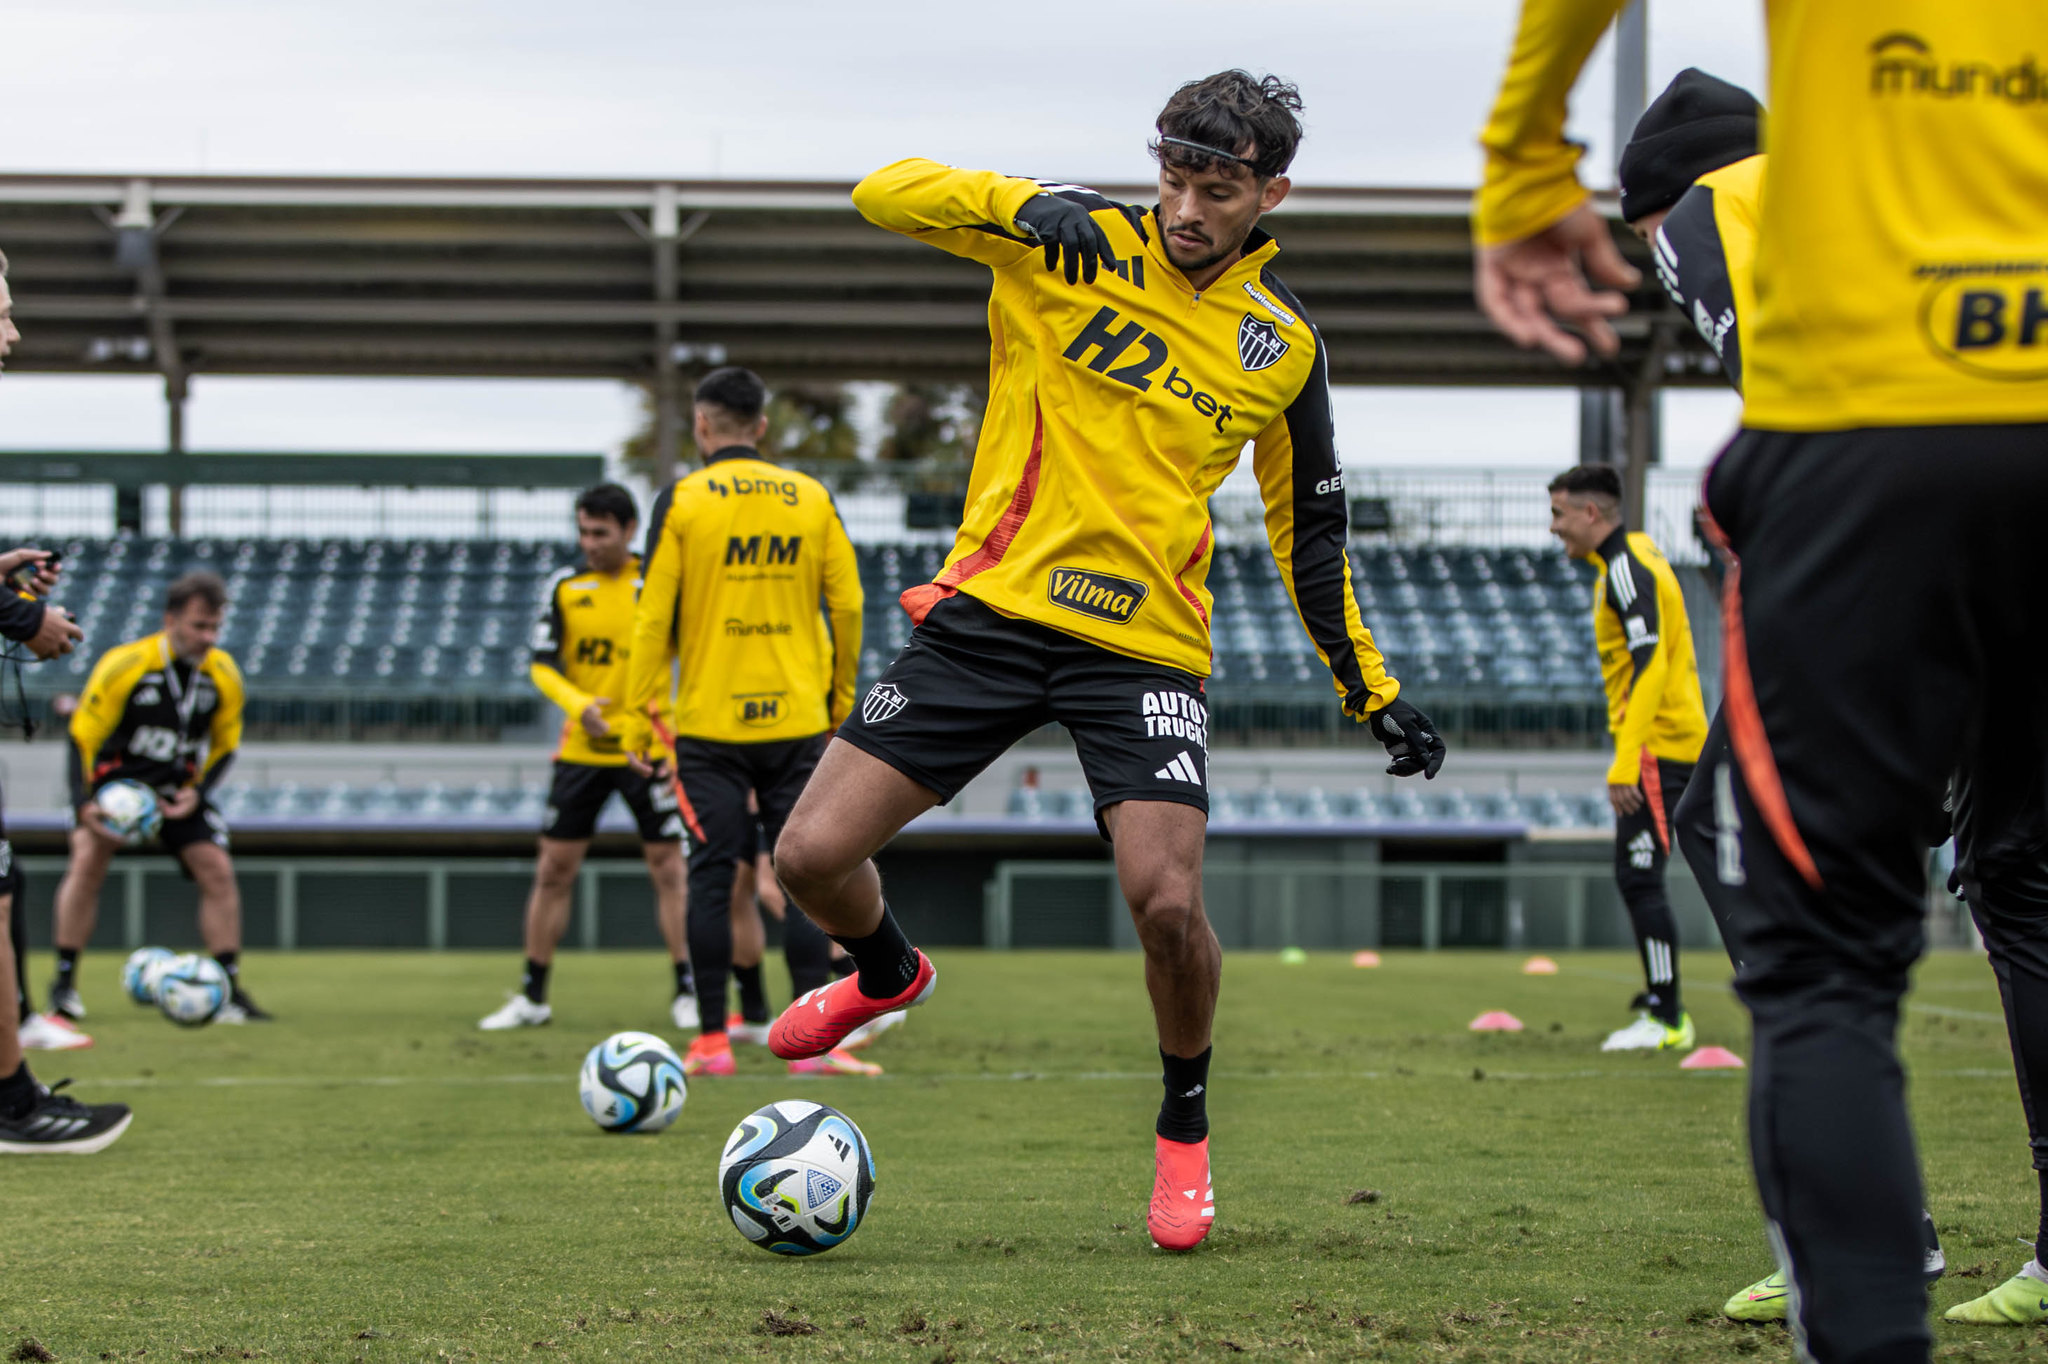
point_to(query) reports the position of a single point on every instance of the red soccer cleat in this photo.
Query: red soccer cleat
(820, 1020)
(709, 1054)
(1183, 1200)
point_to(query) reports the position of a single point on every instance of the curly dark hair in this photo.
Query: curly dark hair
(1253, 117)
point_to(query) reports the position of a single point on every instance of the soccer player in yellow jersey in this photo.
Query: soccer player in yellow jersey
(164, 710)
(1658, 722)
(752, 581)
(1885, 499)
(1135, 352)
(581, 644)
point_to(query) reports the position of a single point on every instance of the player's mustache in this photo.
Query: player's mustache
(1190, 230)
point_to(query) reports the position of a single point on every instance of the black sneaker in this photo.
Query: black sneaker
(61, 1125)
(64, 1000)
(242, 1009)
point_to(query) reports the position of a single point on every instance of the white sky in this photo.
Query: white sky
(763, 89)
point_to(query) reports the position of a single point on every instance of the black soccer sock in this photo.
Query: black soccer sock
(885, 959)
(230, 962)
(18, 1093)
(2041, 1235)
(67, 966)
(1184, 1113)
(686, 983)
(535, 985)
(753, 993)
(17, 934)
(808, 953)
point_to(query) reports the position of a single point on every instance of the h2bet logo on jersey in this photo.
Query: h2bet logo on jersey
(1988, 318)
(1105, 596)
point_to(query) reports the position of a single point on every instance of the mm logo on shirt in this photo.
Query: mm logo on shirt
(1101, 595)
(760, 710)
(1989, 318)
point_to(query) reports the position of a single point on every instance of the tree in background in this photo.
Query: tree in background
(936, 422)
(813, 423)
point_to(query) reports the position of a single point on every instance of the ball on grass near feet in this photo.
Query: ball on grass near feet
(796, 1177)
(633, 1082)
(192, 990)
(139, 974)
(129, 810)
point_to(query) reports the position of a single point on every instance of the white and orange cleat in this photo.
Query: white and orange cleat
(52, 1032)
(822, 1018)
(739, 1030)
(835, 1062)
(709, 1054)
(1183, 1198)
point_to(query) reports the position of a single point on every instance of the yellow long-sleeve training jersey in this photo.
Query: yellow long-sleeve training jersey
(752, 579)
(1902, 265)
(1646, 659)
(1115, 409)
(581, 646)
(149, 716)
(1706, 257)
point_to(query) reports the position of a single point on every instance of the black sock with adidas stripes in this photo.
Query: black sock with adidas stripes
(1184, 1112)
(886, 961)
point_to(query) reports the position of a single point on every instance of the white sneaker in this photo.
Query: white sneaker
(51, 1032)
(684, 1012)
(751, 1034)
(519, 1012)
(873, 1028)
(1645, 1034)
(231, 1012)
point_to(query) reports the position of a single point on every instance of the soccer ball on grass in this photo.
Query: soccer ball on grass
(140, 973)
(192, 990)
(632, 1082)
(796, 1177)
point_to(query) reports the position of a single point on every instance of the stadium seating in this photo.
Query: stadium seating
(453, 616)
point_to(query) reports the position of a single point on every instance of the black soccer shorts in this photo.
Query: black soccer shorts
(580, 791)
(972, 682)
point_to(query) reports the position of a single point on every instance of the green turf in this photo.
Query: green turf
(372, 1179)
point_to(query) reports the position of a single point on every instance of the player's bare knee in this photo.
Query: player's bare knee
(808, 865)
(1168, 915)
(555, 869)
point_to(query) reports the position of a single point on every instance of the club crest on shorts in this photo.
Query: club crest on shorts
(1258, 343)
(883, 701)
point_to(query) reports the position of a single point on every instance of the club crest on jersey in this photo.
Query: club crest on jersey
(883, 701)
(1104, 596)
(1258, 343)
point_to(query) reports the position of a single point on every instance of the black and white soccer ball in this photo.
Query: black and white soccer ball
(796, 1177)
(192, 990)
(129, 810)
(632, 1082)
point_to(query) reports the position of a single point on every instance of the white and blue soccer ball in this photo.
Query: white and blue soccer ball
(796, 1177)
(633, 1082)
(192, 990)
(140, 973)
(129, 810)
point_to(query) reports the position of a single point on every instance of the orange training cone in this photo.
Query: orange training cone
(1539, 966)
(1712, 1058)
(1496, 1021)
(1368, 957)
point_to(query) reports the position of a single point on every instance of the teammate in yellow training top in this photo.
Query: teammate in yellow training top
(1658, 722)
(752, 579)
(1135, 352)
(1884, 500)
(581, 644)
(166, 711)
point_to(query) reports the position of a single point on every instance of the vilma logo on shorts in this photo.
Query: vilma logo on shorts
(1104, 596)
(882, 703)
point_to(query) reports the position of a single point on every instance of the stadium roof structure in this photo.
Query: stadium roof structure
(639, 279)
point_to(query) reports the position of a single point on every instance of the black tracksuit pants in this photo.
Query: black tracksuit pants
(1642, 851)
(715, 779)
(1891, 630)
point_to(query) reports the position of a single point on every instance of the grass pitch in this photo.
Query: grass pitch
(372, 1179)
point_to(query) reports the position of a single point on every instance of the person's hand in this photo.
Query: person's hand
(180, 804)
(594, 723)
(44, 580)
(56, 635)
(1527, 288)
(89, 817)
(1068, 233)
(1412, 741)
(1626, 800)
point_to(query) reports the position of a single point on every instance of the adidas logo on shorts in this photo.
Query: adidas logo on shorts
(1182, 768)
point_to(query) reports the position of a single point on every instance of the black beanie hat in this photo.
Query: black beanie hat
(1699, 124)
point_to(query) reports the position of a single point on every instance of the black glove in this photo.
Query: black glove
(1064, 228)
(1412, 741)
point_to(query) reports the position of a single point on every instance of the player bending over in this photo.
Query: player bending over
(166, 711)
(580, 646)
(1657, 719)
(1136, 352)
(753, 582)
